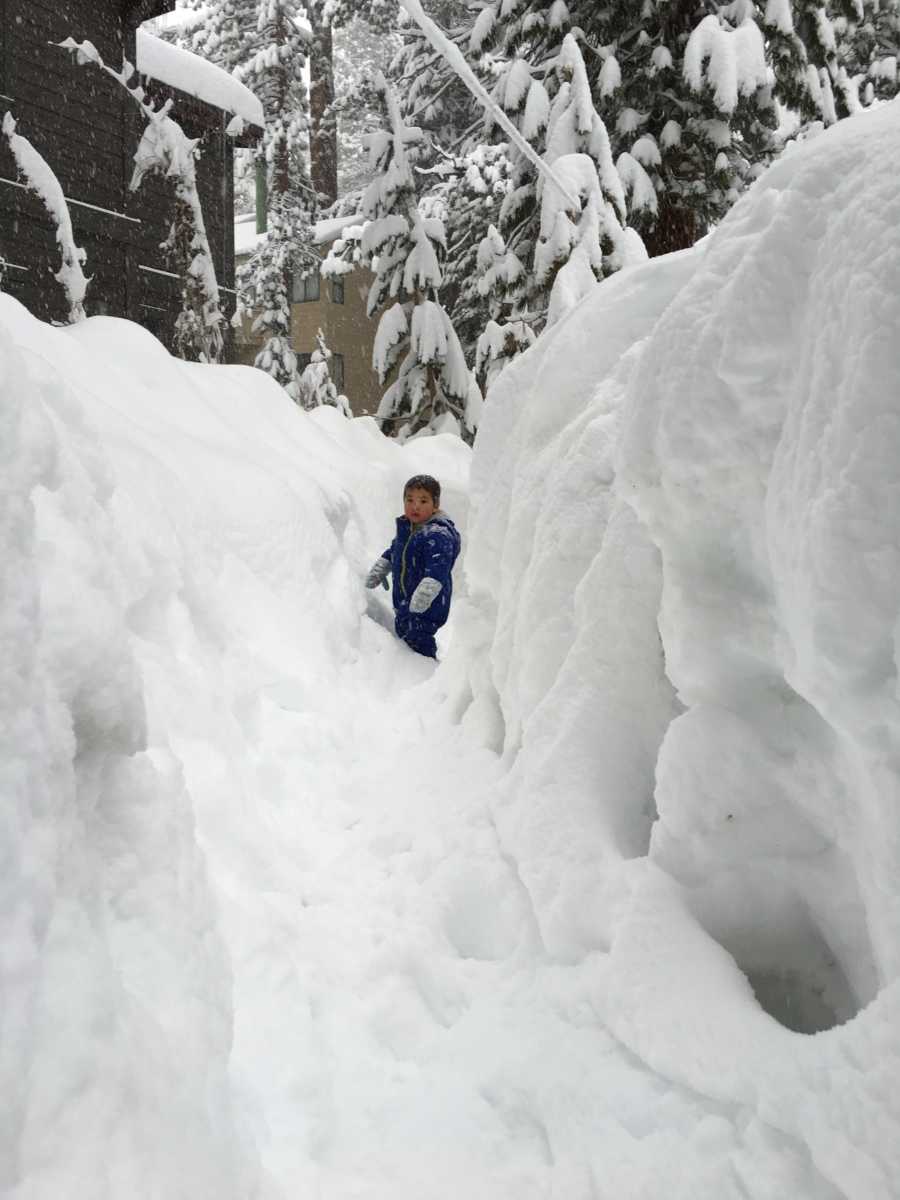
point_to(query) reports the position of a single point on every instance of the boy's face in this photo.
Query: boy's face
(418, 505)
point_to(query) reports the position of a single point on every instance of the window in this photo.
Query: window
(337, 371)
(306, 287)
(337, 291)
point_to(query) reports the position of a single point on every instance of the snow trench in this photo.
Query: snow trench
(604, 906)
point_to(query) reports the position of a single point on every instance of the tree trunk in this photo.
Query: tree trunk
(323, 132)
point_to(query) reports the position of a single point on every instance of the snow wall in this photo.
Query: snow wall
(684, 572)
(182, 562)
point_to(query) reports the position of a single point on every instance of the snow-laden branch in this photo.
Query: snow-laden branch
(731, 61)
(454, 57)
(41, 180)
(165, 149)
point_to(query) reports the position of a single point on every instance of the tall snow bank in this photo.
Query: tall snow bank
(177, 541)
(685, 571)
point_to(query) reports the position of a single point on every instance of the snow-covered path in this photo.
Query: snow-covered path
(399, 1030)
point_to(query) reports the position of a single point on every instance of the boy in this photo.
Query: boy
(421, 559)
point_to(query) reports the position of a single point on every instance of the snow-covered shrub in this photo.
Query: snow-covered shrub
(317, 388)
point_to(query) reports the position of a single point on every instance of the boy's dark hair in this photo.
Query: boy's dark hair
(428, 484)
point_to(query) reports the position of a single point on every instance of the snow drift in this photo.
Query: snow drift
(181, 560)
(685, 575)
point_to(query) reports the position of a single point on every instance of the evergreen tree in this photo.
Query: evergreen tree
(327, 19)
(274, 70)
(432, 96)
(404, 249)
(221, 31)
(317, 388)
(323, 150)
(359, 53)
(687, 90)
(868, 47)
(467, 199)
(686, 136)
(576, 248)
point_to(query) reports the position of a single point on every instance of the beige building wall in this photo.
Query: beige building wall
(348, 332)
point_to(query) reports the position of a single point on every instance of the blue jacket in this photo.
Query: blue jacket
(418, 551)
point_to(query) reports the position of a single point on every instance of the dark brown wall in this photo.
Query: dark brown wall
(88, 129)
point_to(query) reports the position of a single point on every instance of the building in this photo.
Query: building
(337, 307)
(87, 128)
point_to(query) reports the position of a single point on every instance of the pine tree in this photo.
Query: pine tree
(323, 151)
(404, 249)
(274, 71)
(222, 32)
(432, 97)
(467, 200)
(338, 25)
(868, 47)
(544, 87)
(576, 248)
(359, 53)
(317, 388)
(683, 88)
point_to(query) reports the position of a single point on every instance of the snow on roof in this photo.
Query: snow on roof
(246, 239)
(189, 73)
(328, 230)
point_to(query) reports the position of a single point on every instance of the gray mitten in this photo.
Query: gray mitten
(424, 594)
(378, 573)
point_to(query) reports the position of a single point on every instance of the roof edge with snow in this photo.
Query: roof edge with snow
(187, 72)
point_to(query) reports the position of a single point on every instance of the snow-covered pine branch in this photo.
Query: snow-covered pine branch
(579, 244)
(497, 346)
(731, 61)
(467, 199)
(41, 180)
(501, 281)
(454, 56)
(166, 150)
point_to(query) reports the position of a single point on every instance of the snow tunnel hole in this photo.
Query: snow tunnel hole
(796, 976)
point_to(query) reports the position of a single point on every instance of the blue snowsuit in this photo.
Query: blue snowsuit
(429, 549)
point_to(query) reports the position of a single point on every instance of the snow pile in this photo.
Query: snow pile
(194, 75)
(684, 571)
(182, 554)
